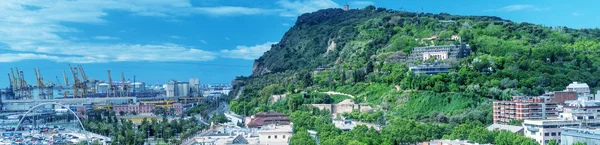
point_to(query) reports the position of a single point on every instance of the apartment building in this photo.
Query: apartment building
(579, 113)
(521, 108)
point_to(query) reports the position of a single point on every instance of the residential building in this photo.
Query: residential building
(570, 135)
(561, 96)
(275, 134)
(451, 142)
(261, 119)
(133, 108)
(582, 89)
(521, 108)
(440, 52)
(177, 108)
(579, 113)
(510, 128)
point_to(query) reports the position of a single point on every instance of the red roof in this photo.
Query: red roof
(264, 118)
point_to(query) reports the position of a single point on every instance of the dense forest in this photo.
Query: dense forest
(363, 51)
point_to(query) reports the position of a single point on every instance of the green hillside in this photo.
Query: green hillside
(363, 52)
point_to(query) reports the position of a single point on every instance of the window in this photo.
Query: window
(553, 134)
(275, 136)
(546, 134)
(269, 137)
(558, 133)
(284, 136)
(546, 141)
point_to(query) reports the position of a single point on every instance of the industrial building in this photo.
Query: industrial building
(177, 89)
(521, 108)
(440, 52)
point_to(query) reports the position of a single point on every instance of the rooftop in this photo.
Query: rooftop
(513, 129)
(578, 85)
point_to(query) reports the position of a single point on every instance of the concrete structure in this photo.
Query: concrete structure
(582, 89)
(133, 108)
(24, 105)
(510, 128)
(440, 52)
(234, 118)
(261, 119)
(177, 89)
(580, 113)
(521, 108)
(138, 86)
(275, 134)
(450, 142)
(590, 136)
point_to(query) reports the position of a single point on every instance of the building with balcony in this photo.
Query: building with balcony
(521, 108)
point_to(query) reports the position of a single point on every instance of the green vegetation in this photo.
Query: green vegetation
(125, 131)
(368, 62)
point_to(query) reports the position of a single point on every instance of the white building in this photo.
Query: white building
(582, 89)
(275, 134)
(584, 135)
(234, 118)
(580, 113)
(138, 86)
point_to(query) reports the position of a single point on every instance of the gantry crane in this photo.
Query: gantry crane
(76, 82)
(66, 84)
(110, 88)
(40, 83)
(123, 86)
(84, 81)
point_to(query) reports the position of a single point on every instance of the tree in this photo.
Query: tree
(552, 142)
(302, 137)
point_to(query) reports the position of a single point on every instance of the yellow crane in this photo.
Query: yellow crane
(40, 83)
(110, 85)
(66, 83)
(76, 82)
(84, 80)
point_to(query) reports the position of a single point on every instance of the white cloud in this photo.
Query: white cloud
(519, 7)
(576, 14)
(360, 4)
(226, 38)
(285, 24)
(298, 7)
(175, 37)
(247, 52)
(40, 34)
(106, 38)
(229, 10)
(203, 41)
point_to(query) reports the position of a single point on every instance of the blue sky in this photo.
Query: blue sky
(214, 40)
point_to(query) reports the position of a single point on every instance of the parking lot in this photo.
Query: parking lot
(44, 134)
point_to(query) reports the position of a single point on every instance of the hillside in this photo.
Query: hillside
(362, 53)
